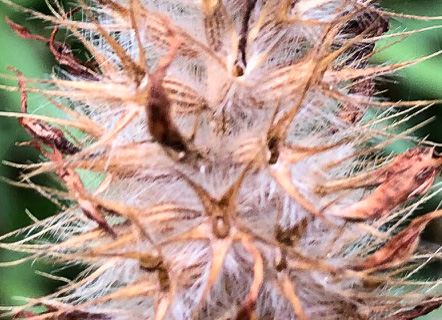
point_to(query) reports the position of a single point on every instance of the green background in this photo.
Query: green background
(423, 81)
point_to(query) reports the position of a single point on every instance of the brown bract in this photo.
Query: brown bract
(61, 51)
(410, 175)
(59, 311)
(55, 314)
(39, 130)
(159, 112)
(399, 248)
(421, 309)
(77, 190)
(158, 109)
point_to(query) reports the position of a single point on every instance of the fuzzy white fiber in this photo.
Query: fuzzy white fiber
(236, 226)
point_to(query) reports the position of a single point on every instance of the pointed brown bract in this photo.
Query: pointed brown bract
(409, 176)
(63, 54)
(160, 123)
(23, 31)
(421, 309)
(60, 312)
(40, 130)
(395, 167)
(77, 190)
(399, 248)
(61, 51)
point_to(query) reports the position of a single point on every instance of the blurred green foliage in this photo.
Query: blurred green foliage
(33, 59)
(422, 81)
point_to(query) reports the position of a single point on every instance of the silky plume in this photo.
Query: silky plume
(240, 150)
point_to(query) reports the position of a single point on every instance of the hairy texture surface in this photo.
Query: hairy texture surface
(238, 144)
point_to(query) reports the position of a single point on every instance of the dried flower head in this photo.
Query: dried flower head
(240, 175)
